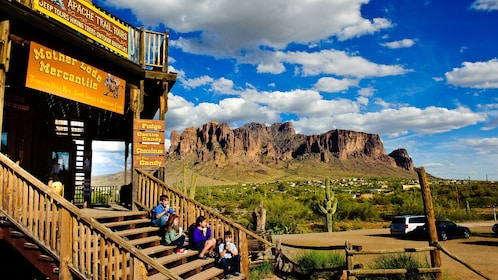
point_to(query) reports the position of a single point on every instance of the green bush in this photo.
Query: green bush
(261, 271)
(314, 264)
(408, 261)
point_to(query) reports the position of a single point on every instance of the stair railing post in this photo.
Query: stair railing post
(66, 244)
(244, 253)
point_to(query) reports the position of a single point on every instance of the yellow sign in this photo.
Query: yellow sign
(154, 125)
(88, 20)
(56, 73)
(148, 149)
(148, 161)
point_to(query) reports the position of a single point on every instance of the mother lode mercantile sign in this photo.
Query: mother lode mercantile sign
(62, 75)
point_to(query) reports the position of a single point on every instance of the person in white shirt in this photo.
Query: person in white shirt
(229, 256)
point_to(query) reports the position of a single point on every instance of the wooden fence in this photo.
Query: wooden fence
(285, 265)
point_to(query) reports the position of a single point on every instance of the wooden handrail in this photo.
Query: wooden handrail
(149, 189)
(82, 245)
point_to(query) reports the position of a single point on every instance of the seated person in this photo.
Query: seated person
(161, 212)
(202, 239)
(173, 236)
(229, 256)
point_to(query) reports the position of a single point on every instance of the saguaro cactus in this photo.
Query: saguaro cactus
(329, 206)
(190, 191)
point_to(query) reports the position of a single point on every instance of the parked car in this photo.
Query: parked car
(495, 228)
(403, 225)
(445, 230)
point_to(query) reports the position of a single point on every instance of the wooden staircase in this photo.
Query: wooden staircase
(43, 262)
(65, 242)
(136, 229)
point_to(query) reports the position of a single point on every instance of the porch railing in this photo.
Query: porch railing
(145, 47)
(83, 246)
(149, 189)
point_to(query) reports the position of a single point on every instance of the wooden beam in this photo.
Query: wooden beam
(431, 220)
(4, 63)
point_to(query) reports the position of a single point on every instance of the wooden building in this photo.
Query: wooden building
(71, 73)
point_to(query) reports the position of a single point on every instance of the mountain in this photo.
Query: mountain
(258, 153)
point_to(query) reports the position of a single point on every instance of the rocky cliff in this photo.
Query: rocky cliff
(271, 145)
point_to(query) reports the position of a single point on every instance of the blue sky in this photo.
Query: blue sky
(421, 74)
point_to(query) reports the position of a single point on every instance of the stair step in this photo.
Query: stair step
(127, 223)
(157, 276)
(140, 241)
(135, 231)
(16, 233)
(46, 258)
(175, 257)
(99, 214)
(209, 273)
(192, 265)
(29, 245)
(157, 249)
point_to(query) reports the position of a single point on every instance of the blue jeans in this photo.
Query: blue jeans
(231, 265)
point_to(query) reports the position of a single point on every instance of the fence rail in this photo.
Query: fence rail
(286, 265)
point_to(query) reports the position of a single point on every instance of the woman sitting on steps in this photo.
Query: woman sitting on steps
(203, 241)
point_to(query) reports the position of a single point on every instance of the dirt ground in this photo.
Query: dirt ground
(480, 251)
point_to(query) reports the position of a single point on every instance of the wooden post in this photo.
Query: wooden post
(65, 235)
(431, 220)
(260, 218)
(244, 253)
(4, 63)
(349, 259)
(136, 105)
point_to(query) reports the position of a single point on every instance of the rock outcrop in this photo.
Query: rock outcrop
(273, 144)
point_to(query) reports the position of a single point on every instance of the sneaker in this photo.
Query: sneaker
(236, 273)
(227, 276)
(181, 251)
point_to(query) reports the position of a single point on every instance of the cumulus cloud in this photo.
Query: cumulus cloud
(405, 43)
(483, 146)
(485, 5)
(330, 84)
(395, 122)
(481, 75)
(223, 28)
(197, 82)
(338, 63)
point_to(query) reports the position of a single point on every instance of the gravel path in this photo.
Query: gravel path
(480, 250)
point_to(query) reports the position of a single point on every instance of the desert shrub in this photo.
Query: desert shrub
(313, 264)
(261, 271)
(408, 261)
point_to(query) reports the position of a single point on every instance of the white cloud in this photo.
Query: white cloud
(197, 82)
(482, 75)
(485, 5)
(395, 122)
(276, 68)
(405, 43)
(483, 146)
(338, 63)
(223, 28)
(330, 84)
